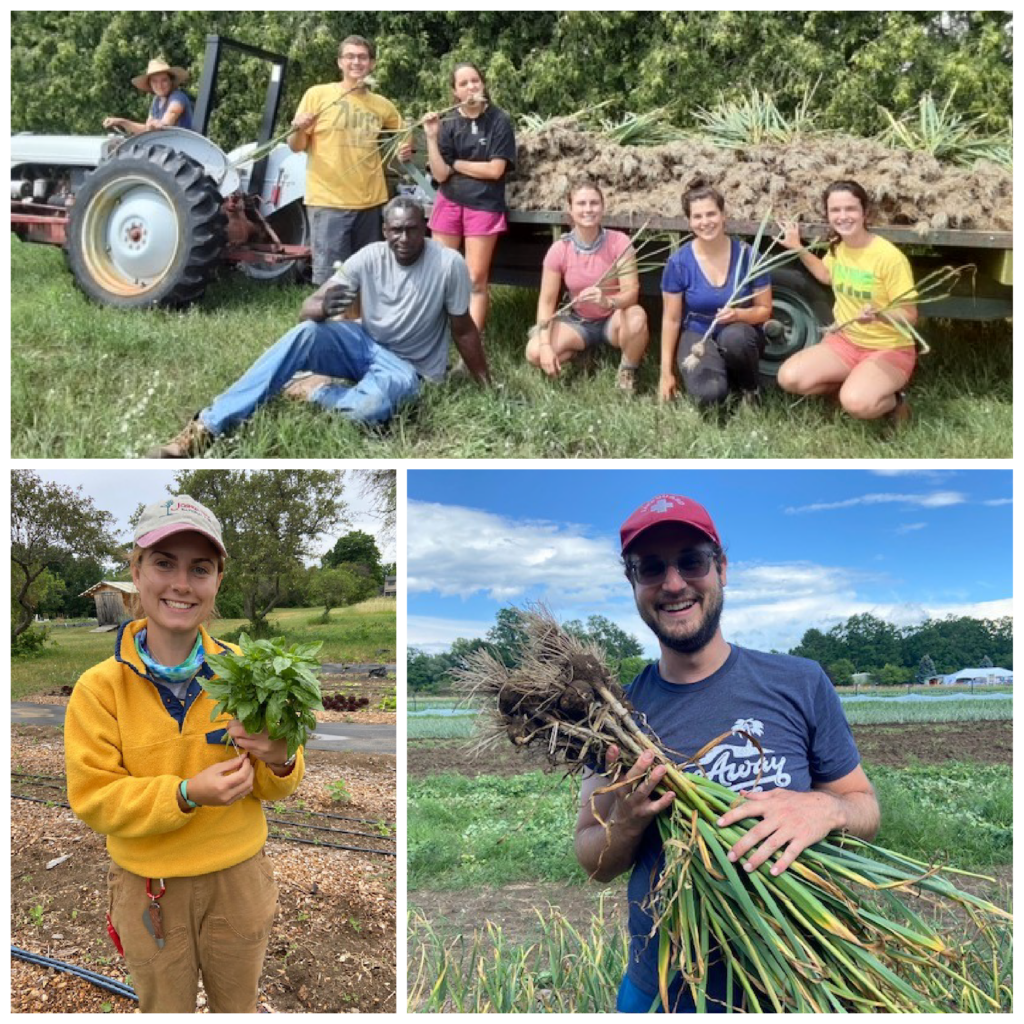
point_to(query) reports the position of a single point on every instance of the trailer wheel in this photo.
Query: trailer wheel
(146, 229)
(292, 227)
(803, 307)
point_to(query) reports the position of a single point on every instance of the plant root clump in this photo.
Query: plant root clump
(556, 698)
(906, 188)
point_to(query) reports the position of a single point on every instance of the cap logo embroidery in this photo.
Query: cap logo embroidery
(661, 505)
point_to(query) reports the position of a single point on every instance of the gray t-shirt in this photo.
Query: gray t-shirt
(406, 309)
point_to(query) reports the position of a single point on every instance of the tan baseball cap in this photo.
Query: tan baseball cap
(176, 515)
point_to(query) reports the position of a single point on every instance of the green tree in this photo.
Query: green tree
(630, 668)
(272, 521)
(925, 669)
(841, 672)
(77, 575)
(894, 675)
(356, 548)
(50, 521)
(380, 486)
(339, 586)
(424, 672)
(507, 636)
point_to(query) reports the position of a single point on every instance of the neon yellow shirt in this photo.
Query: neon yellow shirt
(126, 757)
(873, 276)
(343, 168)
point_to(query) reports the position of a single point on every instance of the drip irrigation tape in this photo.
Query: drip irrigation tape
(332, 846)
(119, 988)
(336, 831)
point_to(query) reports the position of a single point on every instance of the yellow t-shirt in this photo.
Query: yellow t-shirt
(873, 276)
(343, 168)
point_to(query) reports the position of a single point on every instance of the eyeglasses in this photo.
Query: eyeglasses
(693, 564)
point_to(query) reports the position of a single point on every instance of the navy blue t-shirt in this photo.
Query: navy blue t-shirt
(792, 708)
(701, 299)
(159, 107)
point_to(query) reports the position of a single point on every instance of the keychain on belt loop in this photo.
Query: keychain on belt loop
(151, 917)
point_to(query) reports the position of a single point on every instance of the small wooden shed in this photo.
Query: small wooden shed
(112, 601)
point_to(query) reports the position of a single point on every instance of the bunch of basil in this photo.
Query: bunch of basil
(268, 686)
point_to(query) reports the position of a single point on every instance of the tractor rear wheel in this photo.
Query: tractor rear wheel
(146, 229)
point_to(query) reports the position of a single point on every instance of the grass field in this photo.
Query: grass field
(354, 634)
(93, 382)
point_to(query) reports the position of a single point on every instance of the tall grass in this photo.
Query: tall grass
(447, 727)
(90, 382)
(354, 634)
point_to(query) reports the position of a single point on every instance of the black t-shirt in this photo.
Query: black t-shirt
(487, 137)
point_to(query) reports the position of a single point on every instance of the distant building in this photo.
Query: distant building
(113, 601)
(992, 675)
(391, 586)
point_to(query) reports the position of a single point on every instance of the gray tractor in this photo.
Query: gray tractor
(148, 220)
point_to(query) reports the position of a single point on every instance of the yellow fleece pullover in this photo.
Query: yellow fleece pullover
(126, 757)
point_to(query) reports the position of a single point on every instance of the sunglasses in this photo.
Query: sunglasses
(693, 564)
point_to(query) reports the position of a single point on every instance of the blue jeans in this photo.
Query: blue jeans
(337, 349)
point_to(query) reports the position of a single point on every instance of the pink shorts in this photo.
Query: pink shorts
(448, 218)
(903, 359)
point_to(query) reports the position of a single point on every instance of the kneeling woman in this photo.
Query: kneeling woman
(696, 286)
(866, 360)
(190, 888)
(598, 268)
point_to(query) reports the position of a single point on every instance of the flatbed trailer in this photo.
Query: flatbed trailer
(801, 305)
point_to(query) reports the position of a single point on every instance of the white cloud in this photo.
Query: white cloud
(457, 551)
(937, 499)
(995, 502)
(911, 527)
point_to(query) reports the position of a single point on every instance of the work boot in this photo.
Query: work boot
(899, 415)
(192, 441)
(625, 380)
(302, 387)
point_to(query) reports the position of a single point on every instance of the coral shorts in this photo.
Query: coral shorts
(903, 359)
(450, 218)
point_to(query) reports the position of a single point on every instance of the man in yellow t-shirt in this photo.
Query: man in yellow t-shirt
(338, 126)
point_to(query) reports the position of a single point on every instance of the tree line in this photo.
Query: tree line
(895, 655)
(892, 655)
(69, 69)
(272, 522)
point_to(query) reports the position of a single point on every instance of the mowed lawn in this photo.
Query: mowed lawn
(91, 382)
(361, 633)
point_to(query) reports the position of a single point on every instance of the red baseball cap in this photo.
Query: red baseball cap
(667, 508)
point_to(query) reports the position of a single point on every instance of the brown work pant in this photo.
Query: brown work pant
(217, 924)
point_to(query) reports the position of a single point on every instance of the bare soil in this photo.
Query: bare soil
(334, 942)
(892, 745)
(905, 188)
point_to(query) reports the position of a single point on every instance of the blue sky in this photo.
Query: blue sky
(806, 547)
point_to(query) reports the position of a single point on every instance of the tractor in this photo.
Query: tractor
(148, 220)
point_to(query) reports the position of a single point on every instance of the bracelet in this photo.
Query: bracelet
(183, 790)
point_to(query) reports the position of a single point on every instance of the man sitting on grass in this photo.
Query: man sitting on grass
(411, 290)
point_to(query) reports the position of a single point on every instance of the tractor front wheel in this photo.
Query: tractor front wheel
(146, 229)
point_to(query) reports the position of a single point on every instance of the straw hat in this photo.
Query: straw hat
(156, 66)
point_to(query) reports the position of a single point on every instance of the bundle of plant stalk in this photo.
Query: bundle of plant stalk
(833, 933)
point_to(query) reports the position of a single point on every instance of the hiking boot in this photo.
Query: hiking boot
(191, 442)
(302, 387)
(625, 380)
